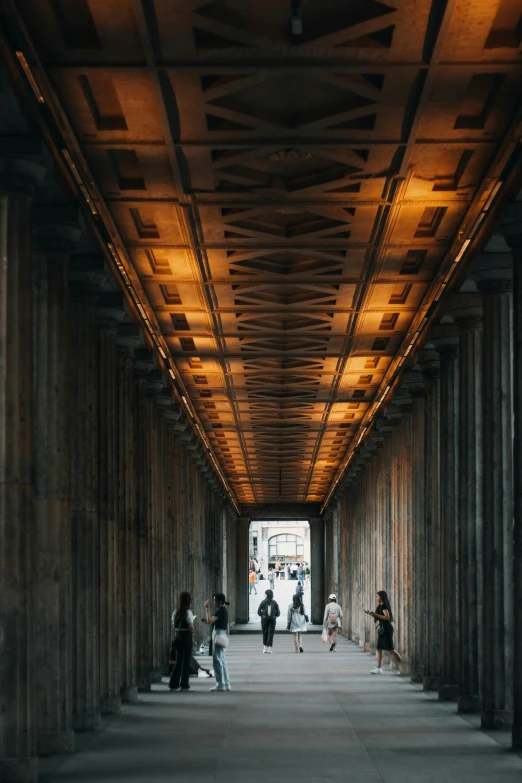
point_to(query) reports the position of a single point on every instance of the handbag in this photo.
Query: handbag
(221, 640)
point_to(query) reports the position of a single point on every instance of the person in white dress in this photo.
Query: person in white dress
(296, 621)
(333, 614)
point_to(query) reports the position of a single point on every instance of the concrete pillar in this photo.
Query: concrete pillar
(466, 310)
(83, 403)
(493, 275)
(18, 760)
(428, 360)
(317, 569)
(445, 340)
(511, 228)
(242, 603)
(53, 245)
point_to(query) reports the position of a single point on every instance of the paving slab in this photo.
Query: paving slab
(315, 716)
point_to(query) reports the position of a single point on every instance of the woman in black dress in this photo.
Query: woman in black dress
(384, 617)
(183, 624)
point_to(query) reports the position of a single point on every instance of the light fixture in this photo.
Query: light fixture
(30, 78)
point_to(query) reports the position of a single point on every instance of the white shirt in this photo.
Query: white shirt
(190, 617)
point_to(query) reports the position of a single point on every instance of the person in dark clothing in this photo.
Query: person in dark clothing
(384, 617)
(268, 611)
(299, 591)
(181, 650)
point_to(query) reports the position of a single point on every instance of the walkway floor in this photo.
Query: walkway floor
(311, 717)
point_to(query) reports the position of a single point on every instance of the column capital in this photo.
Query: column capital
(402, 399)
(243, 520)
(56, 228)
(445, 339)
(466, 310)
(87, 275)
(393, 413)
(510, 226)
(429, 364)
(22, 167)
(110, 310)
(493, 272)
(316, 521)
(128, 337)
(414, 382)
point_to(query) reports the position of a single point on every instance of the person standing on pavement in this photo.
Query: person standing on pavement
(299, 591)
(277, 568)
(219, 621)
(181, 650)
(268, 611)
(296, 620)
(333, 614)
(252, 583)
(301, 573)
(271, 578)
(383, 615)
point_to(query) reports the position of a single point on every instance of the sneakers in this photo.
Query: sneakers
(301, 649)
(265, 648)
(228, 688)
(203, 674)
(376, 671)
(175, 689)
(218, 688)
(269, 650)
(332, 648)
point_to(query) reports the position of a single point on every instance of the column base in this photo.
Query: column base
(517, 736)
(448, 692)
(130, 694)
(19, 770)
(155, 675)
(87, 721)
(430, 683)
(496, 719)
(110, 705)
(416, 678)
(468, 704)
(55, 743)
(144, 686)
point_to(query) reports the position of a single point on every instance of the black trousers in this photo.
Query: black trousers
(268, 625)
(181, 671)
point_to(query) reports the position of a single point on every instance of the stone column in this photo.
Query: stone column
(445, 340)
(108, 317)
(317, 569)
(86, 275)
(428, 360)
(242, 598)
(511, 228)
(53, 632)
(128, 338)
(466, 310)
(18, 760)
(493, 274)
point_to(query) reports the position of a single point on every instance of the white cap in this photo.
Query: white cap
(332, 597)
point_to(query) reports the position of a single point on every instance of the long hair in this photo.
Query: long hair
(297, 604)
(383, 595)
(184, 602)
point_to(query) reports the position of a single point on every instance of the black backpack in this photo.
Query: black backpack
(274, 609)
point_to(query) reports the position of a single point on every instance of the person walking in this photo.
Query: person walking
(333, 614)
(219, 621)
(301, 573)
(252, 583)
(278, 568)
(383, 615)
(181, 649)
(296, 620)
(268, 611)
(271, 578)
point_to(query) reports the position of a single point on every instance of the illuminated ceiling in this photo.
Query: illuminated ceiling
(291, 204)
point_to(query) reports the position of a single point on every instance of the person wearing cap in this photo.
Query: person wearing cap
(333, 614)
(219, 621)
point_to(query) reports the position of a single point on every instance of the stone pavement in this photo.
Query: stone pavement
(309, 717)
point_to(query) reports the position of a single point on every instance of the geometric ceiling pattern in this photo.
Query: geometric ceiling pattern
(287, 200)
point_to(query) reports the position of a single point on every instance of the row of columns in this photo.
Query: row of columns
(108, 508)
(427, 506)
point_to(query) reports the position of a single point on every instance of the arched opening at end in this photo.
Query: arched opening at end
(280, 559)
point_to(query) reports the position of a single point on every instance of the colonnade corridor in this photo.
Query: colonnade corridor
(310, 717)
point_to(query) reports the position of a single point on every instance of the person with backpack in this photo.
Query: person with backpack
(296, 620)
(181, 650)
(333, 614)
(268, 611)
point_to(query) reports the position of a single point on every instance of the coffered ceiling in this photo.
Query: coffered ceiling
(291, 203)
